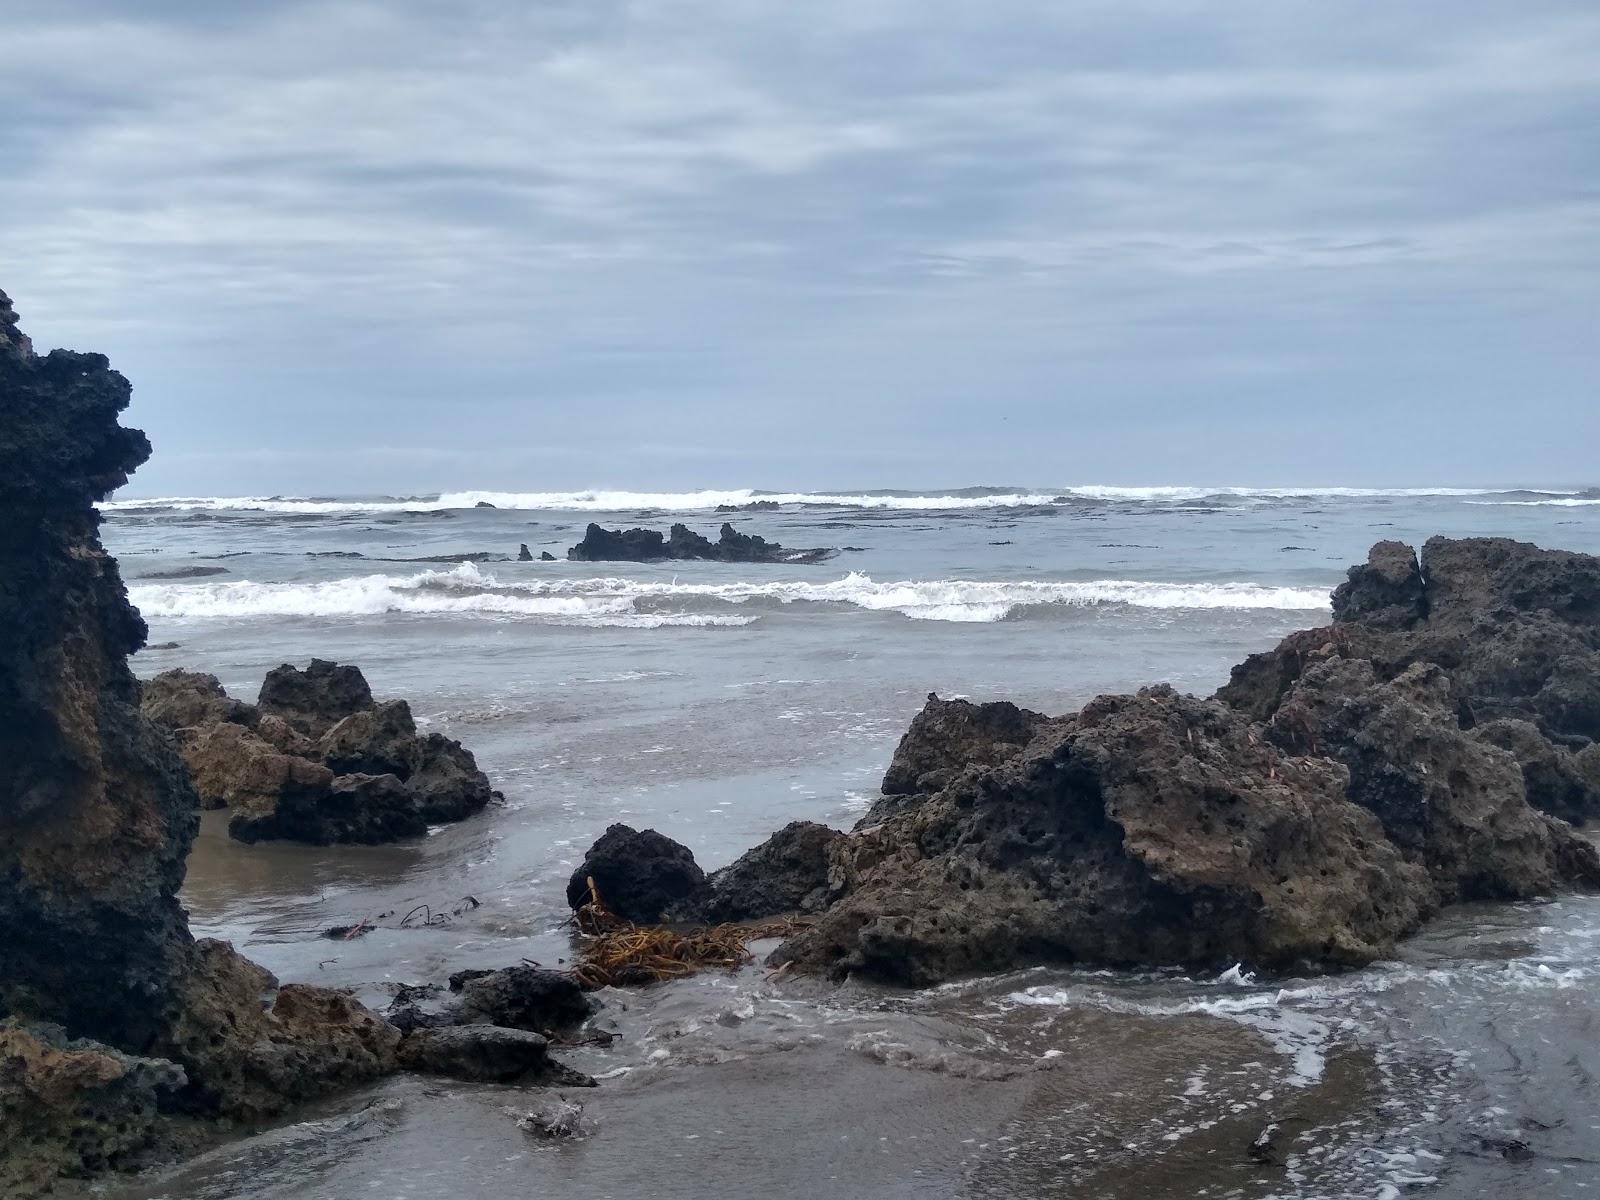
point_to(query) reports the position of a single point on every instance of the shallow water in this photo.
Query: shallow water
(717, 702)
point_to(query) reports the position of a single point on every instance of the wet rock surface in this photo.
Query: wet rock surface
(949, 735)
(488, 1054)
(318, 760)
(681, 542)
(640, 874)
(787, 873)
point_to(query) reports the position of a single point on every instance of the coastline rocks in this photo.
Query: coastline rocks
(787, 873)
(314, 700)
(521, 997)
(233, 767)
(523, 553)
(649, 545)
(74, 1108)
(312, 805)
(375, 741)
(1386, 591)
(1558, 781)
(178, 699)
(949, 735)
(546, 556)
(640, 874)
(1155, 828)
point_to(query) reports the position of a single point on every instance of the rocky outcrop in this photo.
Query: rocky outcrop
(1155, 828)
(487, 1054)
(97, 815)
(1514, 628)
(948, 736)
(640, 874)
(649, 545)
(368, 776)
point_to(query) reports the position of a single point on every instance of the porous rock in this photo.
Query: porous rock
(315, 699)
(180, 699)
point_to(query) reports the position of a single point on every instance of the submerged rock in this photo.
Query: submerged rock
(649, 545)
(488, 1054)
(520, 997)
(640, 874)
(1156, 828)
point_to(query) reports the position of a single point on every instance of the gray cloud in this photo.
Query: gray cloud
(879, 242)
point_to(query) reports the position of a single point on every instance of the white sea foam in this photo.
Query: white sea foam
(1553, 502)
(469, 590)
(609, 500)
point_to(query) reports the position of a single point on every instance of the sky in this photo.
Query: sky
(347, 248)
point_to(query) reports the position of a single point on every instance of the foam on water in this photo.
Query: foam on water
(470, 591)
(621, 500)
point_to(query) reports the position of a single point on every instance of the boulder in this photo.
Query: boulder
(73, 1108)
(787, 873)
(1155, 828)
(375, 741)
(1386, 592)
(520, 997)
(314, 700)
(313, 805)
(180, 699)
(950, 735)
(546, 556)
(440, 773)
(445, 780)
(487, 1054)
(640, 874)
(231, 766)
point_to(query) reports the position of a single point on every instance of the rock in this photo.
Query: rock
(446, 781)
(376, 741)
(232, 766)
(314, 700)
(252, 1046)
(553, 1118)
(1155, 828)
(180, 699)
(648, 545)
(949, 735)
(312, 805)
(520, 997)
(1450, 801)
(1556, 780)
(1386, 592)
(483, 504)
(787, 873)
(278, 733)
(487, 1054)
(73, 1108)
(546, 556)
(640, 874)
(523, 553)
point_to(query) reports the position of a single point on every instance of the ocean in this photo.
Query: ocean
(716, 702)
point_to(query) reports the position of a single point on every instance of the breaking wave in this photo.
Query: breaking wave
(710, 499)
(468, 590)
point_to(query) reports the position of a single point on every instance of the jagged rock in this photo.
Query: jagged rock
(284, 736)
(376, 741)
(316, 699)
(520, 997)
(73, 1108)
(231, 766)
(1558, 781)
(446, 781)
(546, 556)
(180, 699)
(252, 1046)
(1387, 591)
(787, 873)
(1450, 801)
(949, 735)
(649, 545)
(488, 1054)
(523, 553)
(640, 874)
(315, 806)
(1155, 828)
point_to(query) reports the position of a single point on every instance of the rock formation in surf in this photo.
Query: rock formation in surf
(649, 545)
(1335, 793)
(316, 759)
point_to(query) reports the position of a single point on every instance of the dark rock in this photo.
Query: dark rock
(73, 1108)
(440, 773)
(185, 573)
(487, 1054)
(1558, 781)
(949, 735)
(523, 553)
(380, 740)
(1386, 591)
(446, 781)
(1155, 828)
(179, 699)
(316, 699)
(483, 504)
(546, 556)
(521, 997)
(787, 873)
(648, 545)
(312, 805)
(640, 874)
(1450, 801)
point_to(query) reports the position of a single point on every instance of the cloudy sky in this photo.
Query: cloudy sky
(350, 247)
